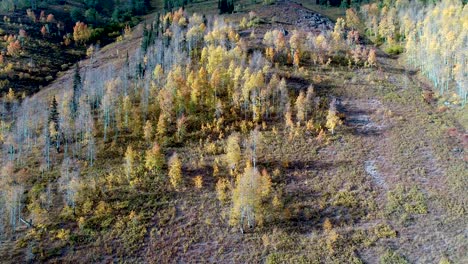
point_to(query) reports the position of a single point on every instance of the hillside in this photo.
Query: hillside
(271, 135)
(39, 44)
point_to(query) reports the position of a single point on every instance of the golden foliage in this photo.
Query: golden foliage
(175, 171)
(81, 32)
(233, 151)
(222, 188)
(154, 159)
(198, 182)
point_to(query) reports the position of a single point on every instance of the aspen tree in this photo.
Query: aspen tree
(81, 32)
(310, 96)
(352, 19)
(162, 126)
(198, 182)
(372, 58)
(251, 188)
(233, 151)
(130, 162)
(148, 132)
(332, 118)
(154, 159)
(301, 107)
(181, 124)
(222, 189)
(289, 124)
(175, 171)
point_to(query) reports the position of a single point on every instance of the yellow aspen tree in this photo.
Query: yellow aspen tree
(270, 54)
(296, 41)
(148, 132)
(352, 19)
(265, 187)
(310, 96)
(301, 107)
(332, 118)
(288, 118)
(222, 188)
(10, 95)
(158, 74)
(337, 34)
(127, 105)
(81, 32)
(175, 171)
(198, 182)
(154, 159)
(233, 151)
(162, 126)
(130, 161)
(181, 127)
(247, 198)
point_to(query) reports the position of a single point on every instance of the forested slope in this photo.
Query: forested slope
(270, 136)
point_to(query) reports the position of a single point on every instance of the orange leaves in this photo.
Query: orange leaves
(44, 31)
(280, 42)
(270, 53)
(372, 59)
(14, 48)
(296, 59)
(50, 18)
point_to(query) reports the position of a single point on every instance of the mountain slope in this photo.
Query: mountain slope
(387, 185)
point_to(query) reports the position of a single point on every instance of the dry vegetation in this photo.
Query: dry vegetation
(254, 140)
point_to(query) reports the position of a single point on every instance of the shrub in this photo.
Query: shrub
(384, 231)
(391, 257)
(198, 182)
(394, 49)
(403, 201)
(63, 235)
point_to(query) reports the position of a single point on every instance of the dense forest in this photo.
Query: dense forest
(261, 132)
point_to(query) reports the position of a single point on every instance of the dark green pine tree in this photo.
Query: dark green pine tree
(76, 91)
(157, 25)
(53, 120)
(145, 39)
(54, 114)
